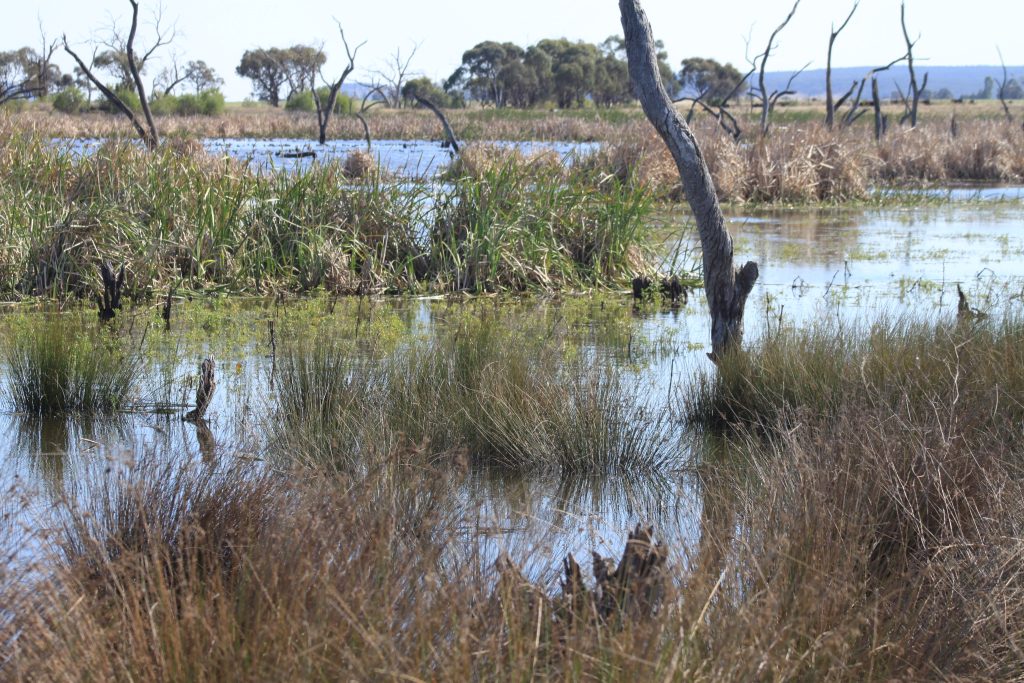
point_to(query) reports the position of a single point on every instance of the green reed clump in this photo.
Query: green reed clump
(518, 397)
(909, 364)
(58, 367)
(179, 217)
(517, 223)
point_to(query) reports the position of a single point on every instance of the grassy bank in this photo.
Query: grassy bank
(179, 218)
(875, 537)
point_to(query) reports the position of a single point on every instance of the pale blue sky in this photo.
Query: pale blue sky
(219, 32)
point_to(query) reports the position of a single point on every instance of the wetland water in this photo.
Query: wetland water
(850, 264)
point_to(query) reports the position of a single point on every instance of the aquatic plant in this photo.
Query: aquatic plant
(58, 367)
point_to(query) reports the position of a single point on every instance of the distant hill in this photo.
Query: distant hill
(960, 80)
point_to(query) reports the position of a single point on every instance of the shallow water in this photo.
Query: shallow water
(832, 263)
(411, 158)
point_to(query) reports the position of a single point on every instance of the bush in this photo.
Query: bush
(70, 100)
(127, 95)
(300, 101)
(207, 103)
(165, 105)
(211, 102)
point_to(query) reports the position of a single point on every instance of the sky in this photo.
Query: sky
(219, 31)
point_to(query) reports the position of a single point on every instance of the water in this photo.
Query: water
(842, 263)
(409, 158)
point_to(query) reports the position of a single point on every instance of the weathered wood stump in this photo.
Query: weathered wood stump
(204, 392)
(110, 300)
(633, 588)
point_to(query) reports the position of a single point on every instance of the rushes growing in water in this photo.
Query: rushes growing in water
(56, 368)
(180, 216)
(511, 397)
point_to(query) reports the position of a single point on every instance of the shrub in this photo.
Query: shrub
(127, 95)
(300, 101)
(70, 100)
(165, 105)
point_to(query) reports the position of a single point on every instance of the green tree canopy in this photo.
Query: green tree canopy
(708, 77)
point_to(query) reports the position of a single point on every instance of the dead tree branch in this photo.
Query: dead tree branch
(324, 110)
(395, 74)
(1002, 87)
(830, 105)
(913, 97)
(726, 289)
(761, 93)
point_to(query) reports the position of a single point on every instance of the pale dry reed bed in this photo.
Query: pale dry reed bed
(800, 163)
(875, 537)
(409, 124)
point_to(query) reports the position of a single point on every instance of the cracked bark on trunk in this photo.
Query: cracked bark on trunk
(726, 288)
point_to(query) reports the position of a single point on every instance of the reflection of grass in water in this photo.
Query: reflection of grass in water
(57, 367)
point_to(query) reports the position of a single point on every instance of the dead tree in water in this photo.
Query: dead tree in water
(449, 134)
(830, 104)
(146, 129)
(913, 97)
(726, 288)
(110, 300)
(325, 109)
(769, 100)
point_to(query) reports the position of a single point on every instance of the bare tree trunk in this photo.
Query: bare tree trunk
(876, 103)
(830, 106)
(914, 96)
(727, 289)
(324, 111)
(449, 134)
(148, 133)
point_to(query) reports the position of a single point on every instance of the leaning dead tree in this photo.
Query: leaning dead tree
(855, 111)
(145, 127)
(325, 109)
(912, 98)
(720, 110)
(726, 288)
(760, 93)
(449, 134)
(830, 104)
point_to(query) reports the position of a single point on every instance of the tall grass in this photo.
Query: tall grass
(523, 399)
(57, 367)
(181, 218)
(876, 547)
(806, 163)
(904, 364)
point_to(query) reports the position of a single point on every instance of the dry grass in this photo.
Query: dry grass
(804, 162)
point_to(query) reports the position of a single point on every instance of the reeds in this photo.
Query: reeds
(522, 399)
(180, 217)
(55, 367)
